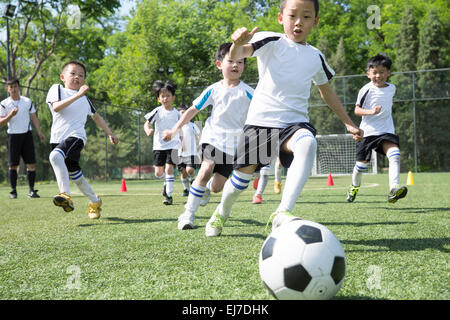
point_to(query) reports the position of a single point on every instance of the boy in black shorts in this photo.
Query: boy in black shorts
(17, 111)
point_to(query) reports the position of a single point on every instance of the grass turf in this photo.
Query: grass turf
(135, 251)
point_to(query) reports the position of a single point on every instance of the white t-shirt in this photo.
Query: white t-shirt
(20, 123)
(229, 111)
(286, 70)
(163, 120)
(189, 143)
(370, 96)
(69, 122)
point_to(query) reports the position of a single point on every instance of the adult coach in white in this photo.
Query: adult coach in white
(17, 111)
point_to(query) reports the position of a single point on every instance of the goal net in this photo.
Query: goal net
(336, 154)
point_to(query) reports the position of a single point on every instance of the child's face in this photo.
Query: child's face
(166, 98)
(231, 69)
(13, 90)
(73, 77)
(298, 18)
(378, 75)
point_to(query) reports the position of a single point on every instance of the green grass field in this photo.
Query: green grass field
(135, 251)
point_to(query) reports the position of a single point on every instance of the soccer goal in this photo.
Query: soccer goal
(336, 154)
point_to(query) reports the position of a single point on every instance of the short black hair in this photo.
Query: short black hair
(379, 59)
(79, 63)
(12, 81)
(224, 48)
(316, 6)
(159, 85)
(183, 107)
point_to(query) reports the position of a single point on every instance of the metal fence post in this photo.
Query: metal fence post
(414, 119)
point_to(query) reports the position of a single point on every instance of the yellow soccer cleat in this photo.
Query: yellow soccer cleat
(63, 200)
(94, 209)
(277, 187)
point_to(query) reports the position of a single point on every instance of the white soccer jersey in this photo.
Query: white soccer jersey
(20, 123)
(229, 111)
(189, 143)
(163, 120)
(69, 122)
(286, 70)
(370, 96)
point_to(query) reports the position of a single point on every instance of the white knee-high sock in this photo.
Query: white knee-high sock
(393, 155)
(278, 171)
(84, 186)
(170, 179)
(208, 184)
(195, 195)
(304, 147)
(234, 186)
(263, 179)
(358, 170)
(185, 183)
(56, 158)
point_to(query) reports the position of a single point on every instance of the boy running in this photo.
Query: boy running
(277, 122)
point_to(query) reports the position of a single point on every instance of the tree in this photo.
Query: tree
(39, 26)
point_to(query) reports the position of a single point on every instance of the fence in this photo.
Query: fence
(421, 112)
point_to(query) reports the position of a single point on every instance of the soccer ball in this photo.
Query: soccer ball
(302, 260)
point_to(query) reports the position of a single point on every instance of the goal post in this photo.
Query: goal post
(336, 154)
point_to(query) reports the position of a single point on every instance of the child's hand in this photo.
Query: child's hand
(113, 139)
(167, 135)
(83, 89)
(376, 110)
(14, 111)
(358, 134)
(242, 36)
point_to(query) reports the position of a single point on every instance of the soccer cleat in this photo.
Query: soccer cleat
(33, 194)
(185, 193)
(94, 209)
(168, 200)
(13, 195)
(255, 183)
(63, 200)
(186, 221)
(257, 199)
(215, 225)
(277, 187)
(280, 217)
(351, 193)
(206, 196)
(397, 193)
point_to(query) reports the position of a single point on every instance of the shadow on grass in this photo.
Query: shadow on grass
(116, 220)
(363, 224)
(401, 244)
(420, 210)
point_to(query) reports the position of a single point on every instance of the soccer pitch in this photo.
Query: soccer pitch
(135, 251)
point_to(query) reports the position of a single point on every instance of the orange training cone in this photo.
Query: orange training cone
(123, 188)
(330, 180)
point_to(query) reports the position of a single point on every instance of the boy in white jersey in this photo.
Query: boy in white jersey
(277, 121)
(70, 107)
(165, 154)
(374, 105)
(230, 99)
(188, 153)
(17, 111)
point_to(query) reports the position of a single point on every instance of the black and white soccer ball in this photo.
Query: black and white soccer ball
(302, 260)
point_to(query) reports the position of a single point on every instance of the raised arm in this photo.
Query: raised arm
(185, 118)
(60, 105)
(241, 48)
